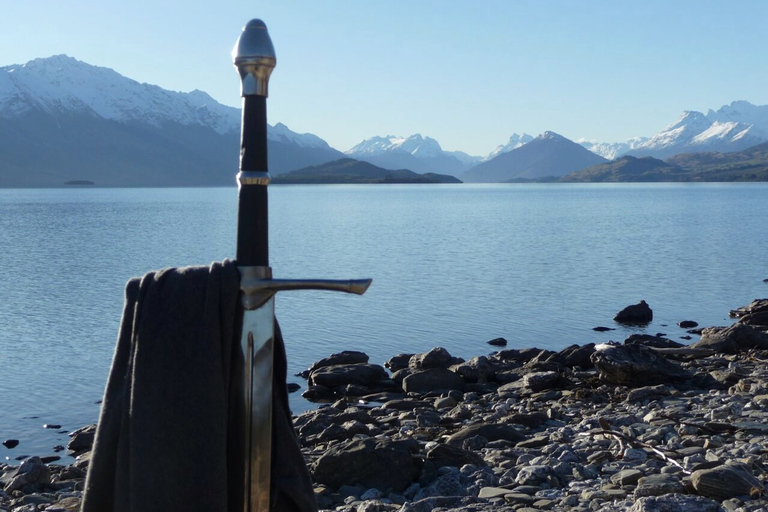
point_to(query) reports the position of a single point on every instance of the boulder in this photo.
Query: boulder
(382, 465)
(477, 369)
(658, 484)
(398, 362)
(345, 357)
(675, 503)
(438, 357)
(498, 342)
(363, 374)
(650, 340)
(490, 431)
(635, 366)
(756, 306)
(636, 314)
(732, 339)
(759, 319)
(451, 455)
(81, 440)
(726, 481)
(31, 472)
(433, 379)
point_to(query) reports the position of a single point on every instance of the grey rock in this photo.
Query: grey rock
(363, 374)
(81, 439)
(441, 502)
(490, 431)
(756, 306)
(735, 338)
(639, 313)
(726, 481)
(656, 485)
(636, 365)
(438, 357)
(345, 357)
(383, 465)
(451, 455)
(31, 472)
(432, 379)
(675, 503)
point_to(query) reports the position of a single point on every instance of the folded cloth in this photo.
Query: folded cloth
(164, 439)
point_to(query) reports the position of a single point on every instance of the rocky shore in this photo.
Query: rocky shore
(643, 425)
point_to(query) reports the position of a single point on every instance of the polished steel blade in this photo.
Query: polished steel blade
(258, 339)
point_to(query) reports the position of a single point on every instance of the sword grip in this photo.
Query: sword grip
(252, 207)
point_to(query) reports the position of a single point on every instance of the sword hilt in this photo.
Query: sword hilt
(254, 58)
(258, 286)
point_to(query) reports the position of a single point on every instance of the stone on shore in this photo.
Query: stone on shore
(362, 374)
(727, 481)
(732, 339)
(490, 431)
(635, 366)
(432, 379)
(384, 464)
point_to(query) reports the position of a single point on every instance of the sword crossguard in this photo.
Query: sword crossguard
(257, 285)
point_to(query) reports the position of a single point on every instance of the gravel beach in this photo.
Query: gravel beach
(647, 424)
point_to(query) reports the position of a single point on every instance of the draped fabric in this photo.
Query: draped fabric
(165, 440)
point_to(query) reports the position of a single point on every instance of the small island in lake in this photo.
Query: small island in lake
(349, 170)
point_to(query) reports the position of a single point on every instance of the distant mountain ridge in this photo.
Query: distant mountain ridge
(349, 170)
(750, 164)
(420, 154)
(64, 120)
(548, 155)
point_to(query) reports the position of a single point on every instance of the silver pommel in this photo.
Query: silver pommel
(254, 58)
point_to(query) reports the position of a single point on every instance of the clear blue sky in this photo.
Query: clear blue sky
(467, 73)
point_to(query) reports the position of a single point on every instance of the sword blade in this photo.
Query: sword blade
(257, 343)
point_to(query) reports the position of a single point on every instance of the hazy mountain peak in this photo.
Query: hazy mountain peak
(514, 142)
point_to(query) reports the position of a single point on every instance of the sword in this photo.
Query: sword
(254, 58)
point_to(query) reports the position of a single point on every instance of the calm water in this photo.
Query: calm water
(452, 265)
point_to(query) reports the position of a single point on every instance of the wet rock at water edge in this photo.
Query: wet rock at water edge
(362, 374)
(687, 324)
(11, 443)
(636, 314)
(344, 357)
(293, 387)
(600, 328)
(498, 342)
(732, 339)
(81, 440)
(438, 357)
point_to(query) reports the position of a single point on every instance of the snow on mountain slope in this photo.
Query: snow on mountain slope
(62, 83)
(416, 145)
(612, 150)
(514, 142)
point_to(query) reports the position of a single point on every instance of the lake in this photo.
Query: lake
(452, 266)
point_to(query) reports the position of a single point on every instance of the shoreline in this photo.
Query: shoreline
(637, 426)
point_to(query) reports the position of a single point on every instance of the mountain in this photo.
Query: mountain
(747, 165)
(514, 142)
(611, 150)
(349, 170)
(65, 120)
(733, 127)
(547, 155)
(421, 154)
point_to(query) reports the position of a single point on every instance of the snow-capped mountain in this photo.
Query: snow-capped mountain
(612, 150)
(733, 127)
(417, 153)
(514, 142)
(66, 119)
(548, 155)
